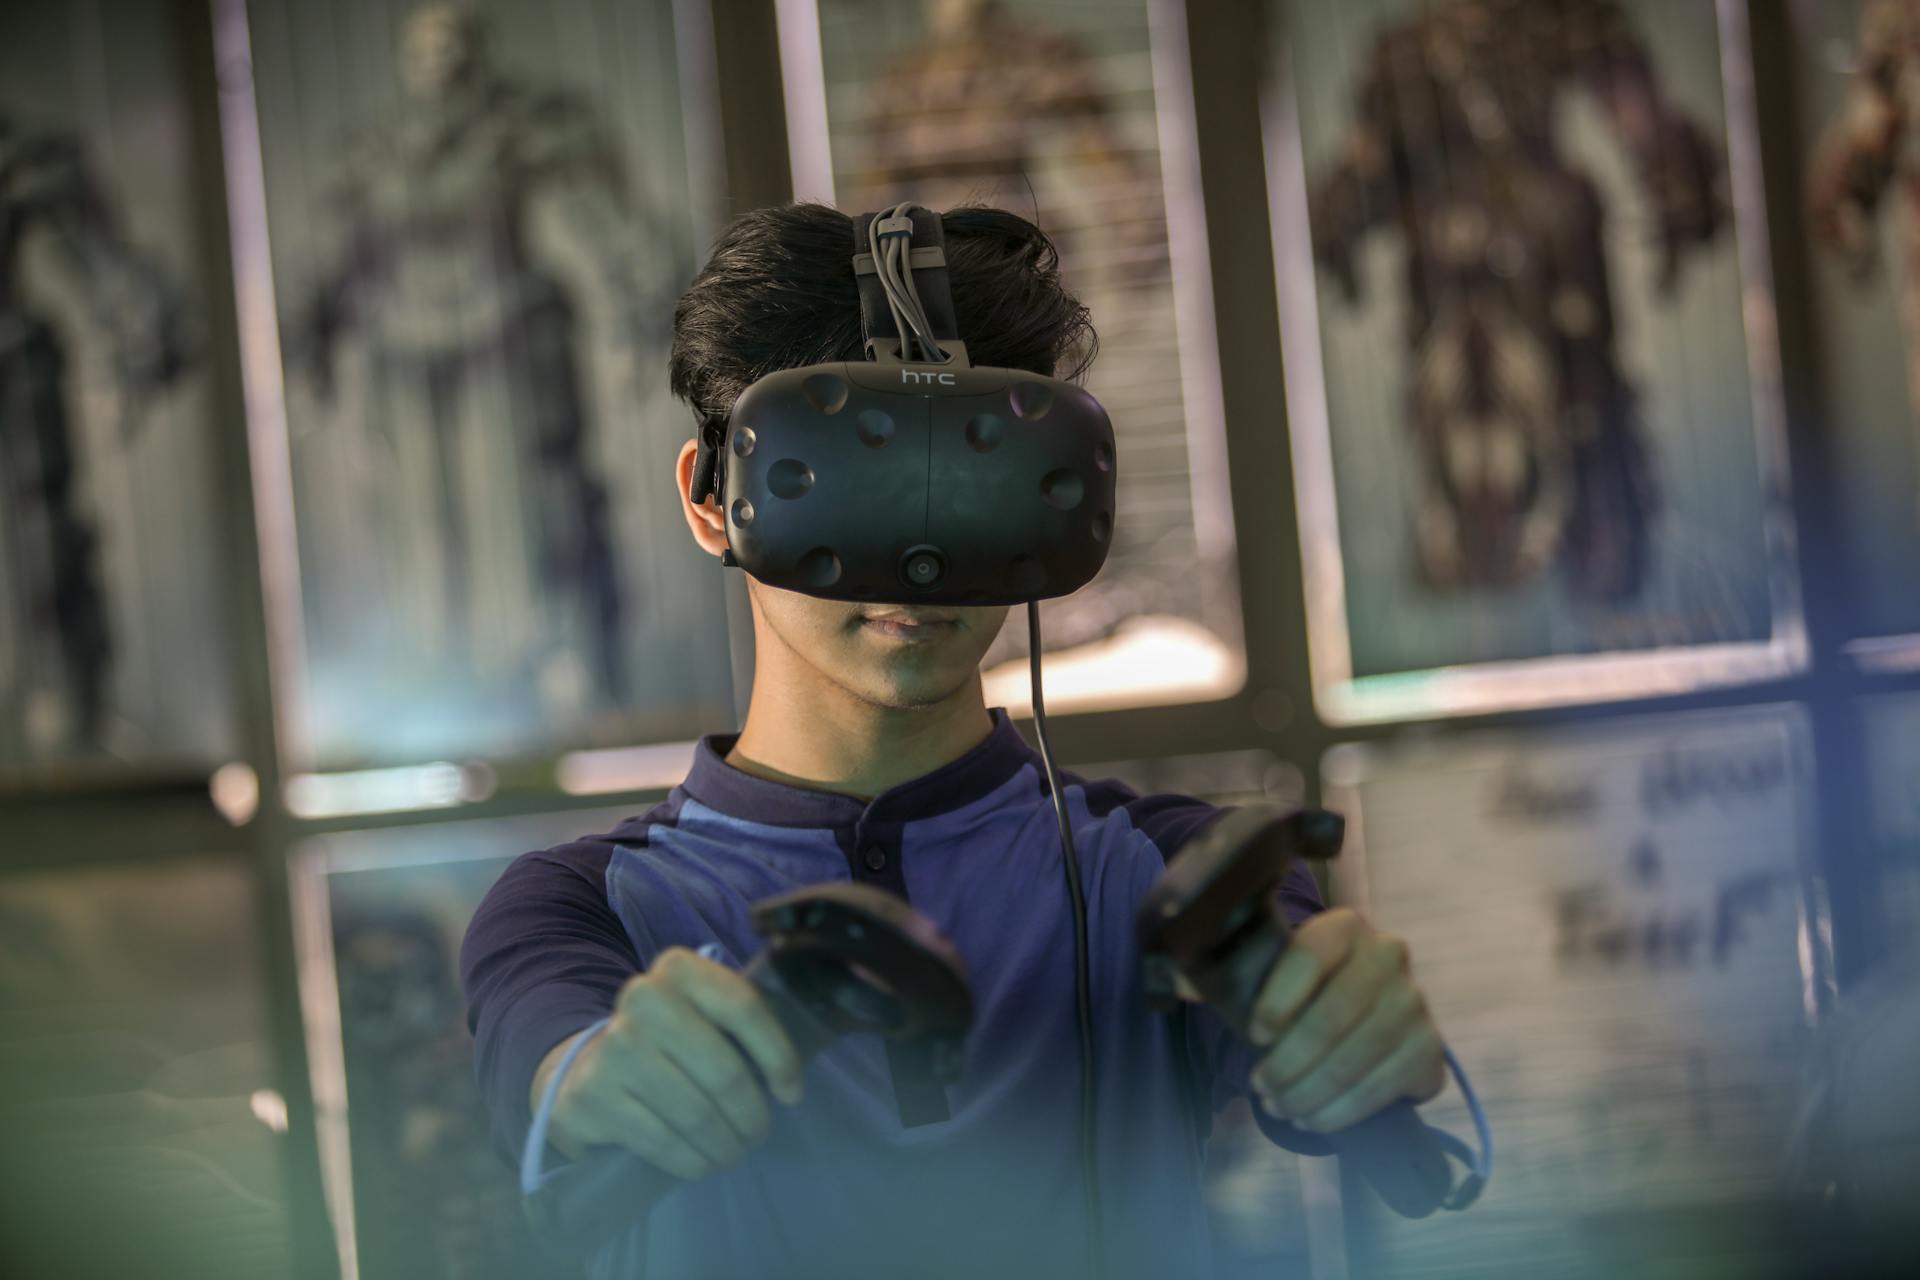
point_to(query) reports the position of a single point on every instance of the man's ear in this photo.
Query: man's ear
(706, 520)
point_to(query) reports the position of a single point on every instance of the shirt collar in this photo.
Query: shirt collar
(738, 794)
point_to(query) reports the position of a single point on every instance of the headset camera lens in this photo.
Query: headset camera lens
(923, 567)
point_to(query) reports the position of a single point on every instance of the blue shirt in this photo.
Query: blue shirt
(987, 1178)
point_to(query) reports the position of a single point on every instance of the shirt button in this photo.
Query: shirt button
(876, 858)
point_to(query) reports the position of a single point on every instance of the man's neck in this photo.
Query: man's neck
(832, 741)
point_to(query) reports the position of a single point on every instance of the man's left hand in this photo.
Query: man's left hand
(1346, 1032)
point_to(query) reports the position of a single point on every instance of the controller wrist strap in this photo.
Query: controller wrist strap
(1480, 1163)
(533, 1156)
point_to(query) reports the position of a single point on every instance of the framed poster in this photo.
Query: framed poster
(1077, 115)
(1617, 931)
(413, 1183)
(113, 604)
(1864, 214)
(465, 227)
(142, 1114)
(1531, 375)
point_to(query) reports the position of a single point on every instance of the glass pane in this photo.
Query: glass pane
(1530, 367)
(113, 597)
(1612, 927)
(1891, 723)
(1874, 1151)
(140, 1107)
(1076, 114)
(1863, 204)
(414, 1182)
(480, 220)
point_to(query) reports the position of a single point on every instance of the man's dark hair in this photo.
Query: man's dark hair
(778, 292)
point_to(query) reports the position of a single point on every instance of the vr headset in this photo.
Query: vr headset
(912, 477)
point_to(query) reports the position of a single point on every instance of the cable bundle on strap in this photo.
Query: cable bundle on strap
(889, 240)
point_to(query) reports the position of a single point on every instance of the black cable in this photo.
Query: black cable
(1083, 1000)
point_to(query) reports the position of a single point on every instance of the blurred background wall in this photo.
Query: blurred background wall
(1519, 405)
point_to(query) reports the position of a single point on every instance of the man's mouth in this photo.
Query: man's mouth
(909, 623)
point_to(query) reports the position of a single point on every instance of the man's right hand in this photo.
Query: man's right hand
(668, 1079)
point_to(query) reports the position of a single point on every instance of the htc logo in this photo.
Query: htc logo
(914, 375)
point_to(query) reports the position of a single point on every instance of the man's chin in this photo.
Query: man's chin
(913, 694)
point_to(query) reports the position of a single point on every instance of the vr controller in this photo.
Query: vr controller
(1213, 919)
(840, 958)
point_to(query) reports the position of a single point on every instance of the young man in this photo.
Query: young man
(868, 754)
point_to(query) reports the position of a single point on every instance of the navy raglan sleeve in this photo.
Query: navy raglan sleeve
(1225, 1060)
(544, 957)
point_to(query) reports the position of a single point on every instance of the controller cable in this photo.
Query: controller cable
(1083, 1001)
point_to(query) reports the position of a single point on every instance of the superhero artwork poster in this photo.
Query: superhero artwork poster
(113, 582)
(480, 217)
(1621, 933)
(1531, 380)
(1076, 115)
(414, 1183)
(1860, 115)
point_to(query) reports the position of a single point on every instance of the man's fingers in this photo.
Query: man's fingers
(675, 1028)
(1320, 947)
(731, 1003)
(1404, 1073)
(665, 1079)
(624, 1121)
(1396, 1014)
(1335, 1010)
(685, 1106)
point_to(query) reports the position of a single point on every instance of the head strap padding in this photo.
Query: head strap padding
(928, 260)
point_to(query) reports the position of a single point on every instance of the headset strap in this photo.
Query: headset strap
(928, 259)
(709, 469)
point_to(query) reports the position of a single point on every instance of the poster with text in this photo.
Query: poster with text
(114, 572)
(480, 218)
(1531, 379)
(1077, 115)
(1613, 932)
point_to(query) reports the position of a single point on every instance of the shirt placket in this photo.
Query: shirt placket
(874, 858)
